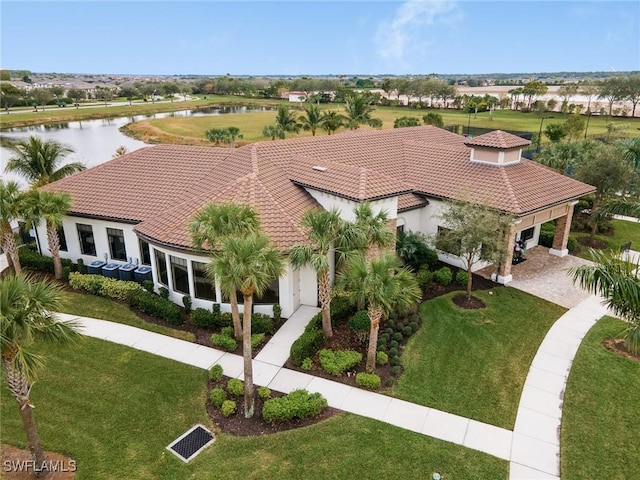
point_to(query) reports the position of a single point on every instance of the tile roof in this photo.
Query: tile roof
(161, 187)
(497, 139)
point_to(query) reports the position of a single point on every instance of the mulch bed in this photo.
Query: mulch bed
(479, 283)
(595, 243)
(237, 425)
(617, 346)
(470, 303)
(11, 454)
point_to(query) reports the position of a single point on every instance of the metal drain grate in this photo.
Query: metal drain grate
(191, 443)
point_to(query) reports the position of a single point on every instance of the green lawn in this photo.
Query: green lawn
(105, 309)
(623, 232)
(114, 410)
(601, 412)
(474, 362)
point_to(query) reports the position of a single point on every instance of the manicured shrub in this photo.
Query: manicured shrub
(82, 268)
(382, 358)
(261, 323)
(389, 331)
(395, 361)
(424, 277)
(66, 271)
(389, 382)
(360, 323)
(277, 312)
(31, 259)
(340, 309)
(104, 286)
(572, 244)
(336, 362)
(216, 372)
(154, 305)
(414, 327)
(225, 319)
(393, 351)
(443, 276)
(235, 387)
(306, 346)
(229, 407)
(393, 344)
(298, 404)
(148, 285)
(227, 332)
(163, 292)
(264, 393)
(187, 302)
(407, 331)
(398, 337)
(217, 397)
(462, 278)
(256, 340)
(547, 232)
(381, 347)
(203, 318)
(369, 381)
(384, 337)
(307, 364)
(396, 370)
(226, 343)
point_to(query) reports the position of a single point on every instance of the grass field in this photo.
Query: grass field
(192, 130)
(474, 362)
(623, 232)
(105, 309)
(114, 410)
(601, 412)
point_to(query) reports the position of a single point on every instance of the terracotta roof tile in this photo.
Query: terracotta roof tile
(497, 139)
(161, 187)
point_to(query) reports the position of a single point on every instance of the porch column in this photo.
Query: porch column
(563, 226)
(504, 269)
(392, 225)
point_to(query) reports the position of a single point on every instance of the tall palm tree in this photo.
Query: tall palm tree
(273, 131)
(621, 206)
(11, 209)
(332, 121)
(217, 135)
(211, 226)
(324, 230)
(381, 286)
(286, 120)
(249, 263)
(312, 118)
(618, 281)
(359, 109)
(50, 207)
(26, 307)
(630, 148)
(40, 162)
(374, 229)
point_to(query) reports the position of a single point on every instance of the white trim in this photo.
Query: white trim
(559, 253)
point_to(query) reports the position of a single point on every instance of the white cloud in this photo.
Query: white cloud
(396, 37)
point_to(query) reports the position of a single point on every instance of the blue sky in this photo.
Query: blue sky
(319, 37)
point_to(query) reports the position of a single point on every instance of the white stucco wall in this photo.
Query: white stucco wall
(345, 207)
(100, 238)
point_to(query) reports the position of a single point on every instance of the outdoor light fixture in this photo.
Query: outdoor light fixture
(436, 476)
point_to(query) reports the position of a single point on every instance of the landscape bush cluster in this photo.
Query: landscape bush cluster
(392, 334)
(298, 404)
(30, 258)
(336, 362)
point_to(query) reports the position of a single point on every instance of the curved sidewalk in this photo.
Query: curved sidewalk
(269, 372)
(535, 449)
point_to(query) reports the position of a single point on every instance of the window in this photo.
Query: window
(116, 244)
(399, 229)
(271, 294)
(180, 274)
(62, 239)
(447, 244)
(161, 268)
(87, 242)
(144, 252)
(527, 234)
(202, 285)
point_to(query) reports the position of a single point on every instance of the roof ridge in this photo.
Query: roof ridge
(512, 195)
(362, 191)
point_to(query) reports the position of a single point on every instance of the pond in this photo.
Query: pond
(96, 141)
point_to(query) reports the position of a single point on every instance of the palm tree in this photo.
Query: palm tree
(211, 226)
(217, 135)
(381, 286)
(51, 207)
(618, 281)
(312, 119)
(630, 148)
(40, 162)
(373, 228)
(324, 230)
(286, 120)
(249, 263)
(332, 121)
(273, 131)
(233, 133)
(621, 206)
(359, 108)
(26, 307)
(11, 208)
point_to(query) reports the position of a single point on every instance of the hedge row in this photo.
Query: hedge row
(103, 286)
(309, 342)
(29, 258)
(298, 404)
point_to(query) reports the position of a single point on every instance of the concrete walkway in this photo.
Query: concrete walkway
(627, 219)
(535, 449)
(269, 372)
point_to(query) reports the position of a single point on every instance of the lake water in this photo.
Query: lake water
(96, 141)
